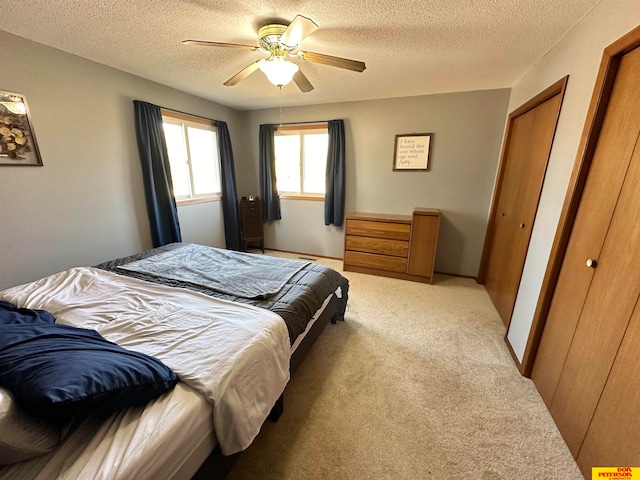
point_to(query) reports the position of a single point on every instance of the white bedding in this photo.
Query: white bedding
(150, 442)
(236, 355)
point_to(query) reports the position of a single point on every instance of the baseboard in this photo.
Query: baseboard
(340, 259)
(456, 275)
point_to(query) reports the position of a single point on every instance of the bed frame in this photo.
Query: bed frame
(218, 466)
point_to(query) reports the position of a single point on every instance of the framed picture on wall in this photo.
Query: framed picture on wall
(412, 151)
(17, 141)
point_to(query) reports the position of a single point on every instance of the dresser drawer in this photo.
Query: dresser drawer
(365, 228)
(251, 209)
(380, 262)
(382, 246)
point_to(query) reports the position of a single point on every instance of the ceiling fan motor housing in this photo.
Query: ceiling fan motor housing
(269, 38)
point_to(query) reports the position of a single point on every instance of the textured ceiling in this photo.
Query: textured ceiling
(410, 47)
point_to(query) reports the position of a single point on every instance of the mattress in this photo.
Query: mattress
(143, 443)
(167, 438)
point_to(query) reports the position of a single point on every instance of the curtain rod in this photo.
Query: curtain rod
(284, 127)
(188, 114)
(304, 123)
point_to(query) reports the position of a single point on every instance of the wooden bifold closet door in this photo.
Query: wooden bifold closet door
(526, 150)
(588, 363)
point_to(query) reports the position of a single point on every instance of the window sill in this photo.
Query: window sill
(313, 198)
(193, 201)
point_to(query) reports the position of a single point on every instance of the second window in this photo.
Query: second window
(301, 161)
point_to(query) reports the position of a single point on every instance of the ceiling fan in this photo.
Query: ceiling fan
(281, 42)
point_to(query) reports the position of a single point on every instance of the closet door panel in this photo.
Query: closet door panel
(528, 152)
(606, 314)
(615, 147)
(612, 438)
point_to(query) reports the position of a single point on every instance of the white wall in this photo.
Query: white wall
(577, 55)
(202, 223)
(303, 230)
(467, 129)
(86, 204)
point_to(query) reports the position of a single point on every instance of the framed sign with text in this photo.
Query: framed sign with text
(411, 152)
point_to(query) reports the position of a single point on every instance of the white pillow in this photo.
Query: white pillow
(22, 436)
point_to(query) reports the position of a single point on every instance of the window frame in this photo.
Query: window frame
(186, 121)
(301, 130)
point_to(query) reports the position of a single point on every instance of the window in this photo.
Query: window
(301, 160)
(192, 144)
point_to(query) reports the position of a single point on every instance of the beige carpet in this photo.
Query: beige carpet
(417, 383)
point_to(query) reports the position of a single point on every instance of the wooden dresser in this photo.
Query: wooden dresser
(252, 224)
(398, 246)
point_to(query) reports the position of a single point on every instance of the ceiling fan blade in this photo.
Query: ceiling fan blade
(339, 62)
(299, 28)
(242, 74)
(219, 44)
(302, 82)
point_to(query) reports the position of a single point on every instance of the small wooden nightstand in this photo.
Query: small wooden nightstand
(251, 216)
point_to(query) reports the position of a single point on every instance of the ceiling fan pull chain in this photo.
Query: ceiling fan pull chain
(280, 87)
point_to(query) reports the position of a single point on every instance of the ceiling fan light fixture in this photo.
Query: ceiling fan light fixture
(278, 70)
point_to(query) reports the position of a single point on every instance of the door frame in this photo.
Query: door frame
(590, 135)
(557, 88)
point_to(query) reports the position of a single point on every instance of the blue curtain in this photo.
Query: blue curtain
(156, 173)
(335, 175)
(268, 188)
(229, 193)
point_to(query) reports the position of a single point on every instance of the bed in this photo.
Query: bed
(184, 433)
